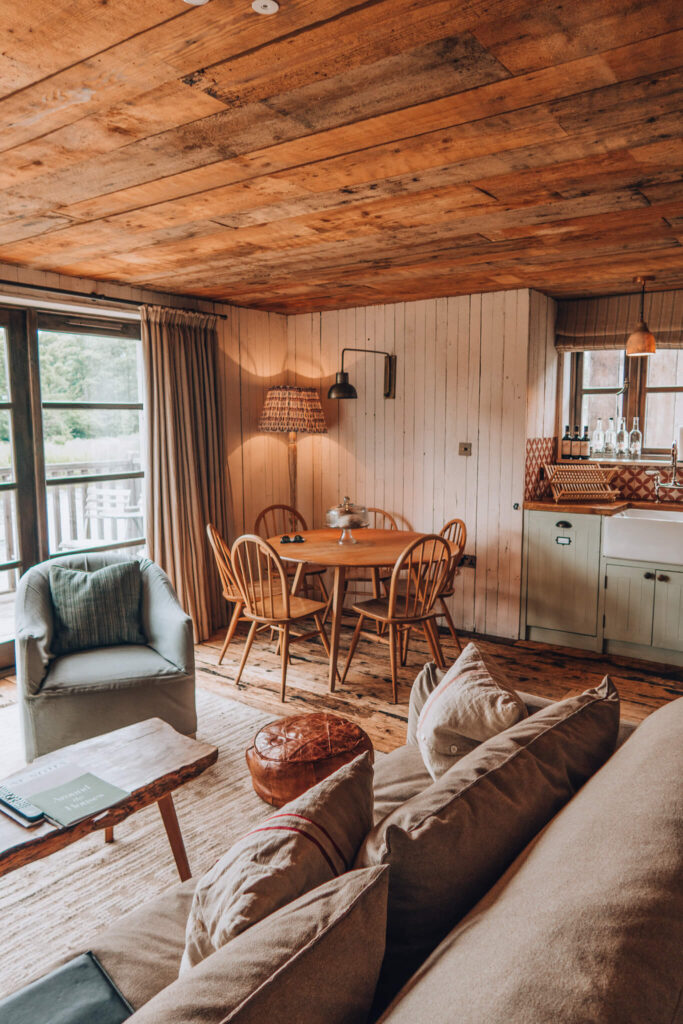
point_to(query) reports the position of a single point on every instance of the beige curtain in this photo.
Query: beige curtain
(186, 485)
(607, 321)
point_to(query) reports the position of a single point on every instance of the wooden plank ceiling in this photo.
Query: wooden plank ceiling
(344, 153)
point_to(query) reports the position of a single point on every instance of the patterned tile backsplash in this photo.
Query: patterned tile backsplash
(632, 481)
(539, 450)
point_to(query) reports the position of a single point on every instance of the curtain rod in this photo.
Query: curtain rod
(101, 298)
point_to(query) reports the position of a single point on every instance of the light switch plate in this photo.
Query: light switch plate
(465, 448)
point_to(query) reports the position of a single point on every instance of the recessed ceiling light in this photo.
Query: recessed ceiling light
(266, 6)
(196, 3)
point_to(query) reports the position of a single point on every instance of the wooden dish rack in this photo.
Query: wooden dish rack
(581, 483)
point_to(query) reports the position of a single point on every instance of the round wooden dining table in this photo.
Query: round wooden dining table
(373, 550)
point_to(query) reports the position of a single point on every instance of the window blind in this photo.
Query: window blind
(606, 322)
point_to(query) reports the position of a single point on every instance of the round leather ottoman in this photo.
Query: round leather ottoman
(292, 754)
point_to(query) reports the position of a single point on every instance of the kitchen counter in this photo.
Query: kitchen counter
(603, 508)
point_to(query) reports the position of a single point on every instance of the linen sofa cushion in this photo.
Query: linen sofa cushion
(587, 923)
(399, 775)
(95, 609)
(448, 845)
(111, 669)
(141, 950)
(470, 704)
(315, 961)
(305, 843)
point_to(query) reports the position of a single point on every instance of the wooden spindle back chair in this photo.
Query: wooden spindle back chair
(416, 581)
(285, 519)
(380, 519)
(263, 584)
(231, 591)
(279, 519)
(455, 532)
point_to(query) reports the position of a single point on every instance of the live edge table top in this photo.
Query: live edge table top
(148, 759)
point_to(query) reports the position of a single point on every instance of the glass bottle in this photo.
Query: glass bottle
(622, 439)
(635, 440)
(566, 449)
(585, 443)
(576, 443)
(598, 440)
(610, 437)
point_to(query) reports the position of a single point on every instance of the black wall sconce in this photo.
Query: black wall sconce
(343, 389)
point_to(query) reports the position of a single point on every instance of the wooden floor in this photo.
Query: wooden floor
(366, 695)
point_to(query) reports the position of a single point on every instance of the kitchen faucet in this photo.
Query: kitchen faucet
(673, 484)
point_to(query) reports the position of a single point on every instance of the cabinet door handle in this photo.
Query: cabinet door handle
(563, 525)
(662, 578)
(649, 575)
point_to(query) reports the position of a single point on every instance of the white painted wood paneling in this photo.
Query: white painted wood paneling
(462, 376)
(543, 367)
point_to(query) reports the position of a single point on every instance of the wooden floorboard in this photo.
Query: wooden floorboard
(365, 698)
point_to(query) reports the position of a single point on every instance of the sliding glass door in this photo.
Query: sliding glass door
(71, 443)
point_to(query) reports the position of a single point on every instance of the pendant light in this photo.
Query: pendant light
(641, 342)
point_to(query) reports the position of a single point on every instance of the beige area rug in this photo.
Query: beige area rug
(59, 902)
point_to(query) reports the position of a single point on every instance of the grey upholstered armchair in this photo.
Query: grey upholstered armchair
(71, 697)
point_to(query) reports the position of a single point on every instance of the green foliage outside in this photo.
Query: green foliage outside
(83, 368)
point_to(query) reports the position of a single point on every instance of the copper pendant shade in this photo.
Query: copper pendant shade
(641, 342)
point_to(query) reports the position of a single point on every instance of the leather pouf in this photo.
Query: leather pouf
(292, 754)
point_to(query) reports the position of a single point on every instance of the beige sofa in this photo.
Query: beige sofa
(585, 926)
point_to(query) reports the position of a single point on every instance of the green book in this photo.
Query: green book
(80, 798)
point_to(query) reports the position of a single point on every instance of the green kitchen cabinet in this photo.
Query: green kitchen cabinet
(629, 600)
(667, 624)
(563, 572)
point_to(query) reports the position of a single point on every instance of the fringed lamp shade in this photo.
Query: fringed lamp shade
(290, 409)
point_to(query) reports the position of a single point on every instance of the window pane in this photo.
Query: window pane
(81, 442)
(8, 589)
(4, 375)
(603, 406)
(9, 549)
(6, 453)
(87, 515)
(663, 417)
(89, 368)
(665, 368)
(603, 369)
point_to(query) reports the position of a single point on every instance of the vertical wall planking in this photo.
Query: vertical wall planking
(462, 376)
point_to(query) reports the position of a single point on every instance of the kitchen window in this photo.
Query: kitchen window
(606, 383)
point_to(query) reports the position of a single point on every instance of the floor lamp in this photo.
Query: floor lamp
(292, 410)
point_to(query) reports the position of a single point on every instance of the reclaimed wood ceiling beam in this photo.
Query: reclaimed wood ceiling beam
(344, 152)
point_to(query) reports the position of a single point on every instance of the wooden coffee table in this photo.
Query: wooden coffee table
(149, 759)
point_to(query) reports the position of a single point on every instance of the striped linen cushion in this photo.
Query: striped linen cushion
(307, 842)
(96, 609)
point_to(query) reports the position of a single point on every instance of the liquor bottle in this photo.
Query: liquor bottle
(566, 449)
(576, 443)
(610, 437)
(622, 439)
(585, 444)
(635, 440)
(598, 443)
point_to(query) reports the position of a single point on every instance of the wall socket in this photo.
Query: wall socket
(465, 448)
(468, 562)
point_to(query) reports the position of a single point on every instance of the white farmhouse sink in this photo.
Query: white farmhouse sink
(648, 535)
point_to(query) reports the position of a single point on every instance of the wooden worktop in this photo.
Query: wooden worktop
(603, 508)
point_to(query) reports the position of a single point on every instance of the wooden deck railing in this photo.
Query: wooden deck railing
(79, 514)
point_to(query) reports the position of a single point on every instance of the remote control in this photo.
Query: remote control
(19, 804)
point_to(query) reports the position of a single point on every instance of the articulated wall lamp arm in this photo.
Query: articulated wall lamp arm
(343, 389)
